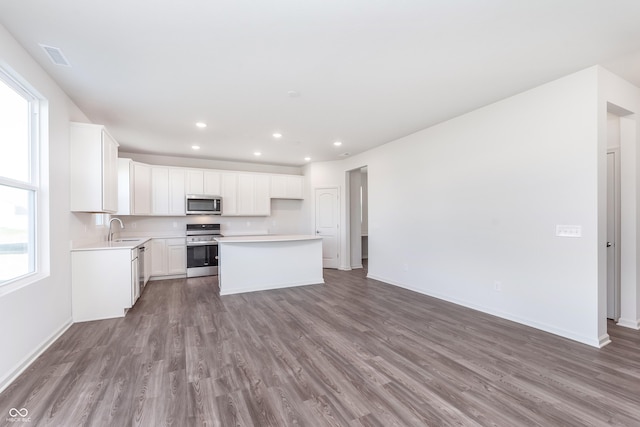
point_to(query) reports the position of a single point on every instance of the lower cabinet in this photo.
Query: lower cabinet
(168, 257)
(103, 283)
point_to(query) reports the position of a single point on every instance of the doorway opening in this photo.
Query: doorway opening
(358, 204)
(621, 287)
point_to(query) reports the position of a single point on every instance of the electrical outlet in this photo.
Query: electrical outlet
(497, 286)
(175, 224)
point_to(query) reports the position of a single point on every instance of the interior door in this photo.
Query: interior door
(613, 294)
(328, 224)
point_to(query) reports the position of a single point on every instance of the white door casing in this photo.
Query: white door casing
(613, 290)
(327, 222)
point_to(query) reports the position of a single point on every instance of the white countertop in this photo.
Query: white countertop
(124, 243)
(267, 238)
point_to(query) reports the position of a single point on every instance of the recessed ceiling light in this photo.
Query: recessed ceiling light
(306, 159)
(195, 147)
(201, 125)
(277, 135)
(337, 143)
(293, 94)
(257, 153)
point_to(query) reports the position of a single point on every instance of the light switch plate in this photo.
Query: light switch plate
(569, 230)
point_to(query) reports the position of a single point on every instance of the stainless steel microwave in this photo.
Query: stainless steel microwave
(203, 204)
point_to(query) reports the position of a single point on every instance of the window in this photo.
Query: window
(19, 180)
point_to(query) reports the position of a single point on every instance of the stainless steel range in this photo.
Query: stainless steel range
(202, 249)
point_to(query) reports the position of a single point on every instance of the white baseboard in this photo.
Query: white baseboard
(604, 340)
(175, 276)
(628, 323)
(593, 342)
(29, 359)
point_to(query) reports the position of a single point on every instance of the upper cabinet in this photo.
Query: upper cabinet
(141, 201)
(167, 191)
(202, 181)
(245, 194)
(94, 169)
(253, 195)
(287, 187)
(125, 186)
(161, 190)
(150, 190)
(229, 193)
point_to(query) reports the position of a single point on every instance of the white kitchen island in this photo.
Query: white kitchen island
(257, 263)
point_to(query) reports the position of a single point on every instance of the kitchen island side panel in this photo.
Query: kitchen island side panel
(256, 266)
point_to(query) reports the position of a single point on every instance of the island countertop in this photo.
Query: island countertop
(267, 238)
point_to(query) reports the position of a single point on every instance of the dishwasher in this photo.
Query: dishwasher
(141, 250)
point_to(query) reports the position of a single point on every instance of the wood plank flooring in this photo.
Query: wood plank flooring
(353, 352)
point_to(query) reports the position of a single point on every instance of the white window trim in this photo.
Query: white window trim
(38, 182)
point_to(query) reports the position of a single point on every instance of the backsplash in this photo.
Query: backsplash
(286, 218)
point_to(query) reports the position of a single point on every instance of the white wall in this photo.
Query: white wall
(475, 200)
(33, 315)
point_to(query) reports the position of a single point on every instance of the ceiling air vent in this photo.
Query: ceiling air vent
(344, 154)
(56, 55)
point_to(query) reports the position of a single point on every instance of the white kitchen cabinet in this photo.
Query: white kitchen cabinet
(194, 181)
(167, 191)
(93, 168)
(262, 201)
(159, 190)
(177, 195)
(211, 183)
(147, 262)
(176, 256)
(253, 195)
(125, 186)
(287, 187)
(135, 274)
(158, 257)
(228, 191)
(168, 257)
(141, 189)
(103, 283)
(203, 181)
(245, 194)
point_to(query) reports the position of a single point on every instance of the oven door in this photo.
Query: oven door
(202, 259)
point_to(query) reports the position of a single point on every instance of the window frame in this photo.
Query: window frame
(38, 221)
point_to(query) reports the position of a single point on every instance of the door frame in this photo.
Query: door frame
(617, 217)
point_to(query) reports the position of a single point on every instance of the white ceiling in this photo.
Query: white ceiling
(367, 71)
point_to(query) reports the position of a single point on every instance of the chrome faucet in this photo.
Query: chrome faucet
(110, 237)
